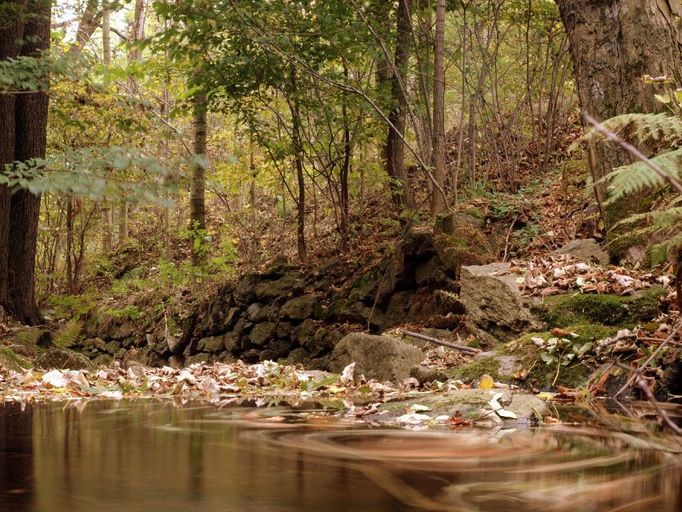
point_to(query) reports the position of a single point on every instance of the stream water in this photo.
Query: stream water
(149, 456)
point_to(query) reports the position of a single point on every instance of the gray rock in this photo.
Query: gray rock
(299, 308)
(298, 356)
(196, 358)
(230, 319)
(585, 249)
(527, 408)
(231, 343)
(97, 344)
(282, 287)
(103, 360)
(276, 350)
(61, 359)
(212, 344)
(493, 302)
(250, 356)
(262, 333)
(253, 312)
(377, 357)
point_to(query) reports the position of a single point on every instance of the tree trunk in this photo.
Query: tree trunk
(31, 138)
(107, 212)
(9, 48)
(613, 44)
(298, 161)
(88, 23)
(137, 29)
(438, 201)
(395, 147)
(197, 216)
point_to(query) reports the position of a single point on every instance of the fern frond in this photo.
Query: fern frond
(659, 129)
(28, 337)
(69, 334)
(637, 176)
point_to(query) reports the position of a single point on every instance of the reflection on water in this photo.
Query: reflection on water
(148, 456)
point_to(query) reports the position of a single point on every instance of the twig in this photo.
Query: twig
(461, 348)
(506, 240)
(633, 376)
(641, 384)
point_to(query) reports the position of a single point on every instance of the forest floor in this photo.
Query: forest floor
(535, 221)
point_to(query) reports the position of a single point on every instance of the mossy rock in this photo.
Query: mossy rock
(11, 361)
(542, 375)
(475, 369)
(607, 309)
(621, 237)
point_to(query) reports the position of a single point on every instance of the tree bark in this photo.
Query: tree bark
(9, 48)
(298, 162)
(31, 139)
(438, 145)
(197, 216)
(395, 147)
(88, 23)
(613, 44)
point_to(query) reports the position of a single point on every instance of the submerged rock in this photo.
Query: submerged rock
(375, 357)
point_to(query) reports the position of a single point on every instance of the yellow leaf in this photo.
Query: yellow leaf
(486, 382)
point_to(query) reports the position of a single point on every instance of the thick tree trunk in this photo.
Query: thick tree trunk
(395, 146)
(9, 48)
(613, 44)
(438, 145)
(31, 139)
(197, 216)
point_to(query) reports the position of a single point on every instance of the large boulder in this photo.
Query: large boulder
(376, 357)
(494, 305)
(585, 249)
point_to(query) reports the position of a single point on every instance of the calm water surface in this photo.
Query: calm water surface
(148, 456)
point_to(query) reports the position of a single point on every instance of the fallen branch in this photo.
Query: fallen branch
(641, 384)
(637, 371)
(461, 348)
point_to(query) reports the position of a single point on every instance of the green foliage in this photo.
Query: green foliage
(130, 312)
(661, 135)
(28, 337)
(71, 306)
(69, 334)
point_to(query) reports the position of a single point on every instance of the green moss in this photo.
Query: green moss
(621, 237)
(476, 369)
(603, 309)
(542, 375)
(11, 361)
(585, 332)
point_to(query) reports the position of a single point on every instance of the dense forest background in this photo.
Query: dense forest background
(189, 141)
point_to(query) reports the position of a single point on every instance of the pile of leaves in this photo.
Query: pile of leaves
(559, 274)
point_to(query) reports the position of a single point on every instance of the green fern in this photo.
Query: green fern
(651, 129)
(28, 337)
(69, 334)
(636, 177)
